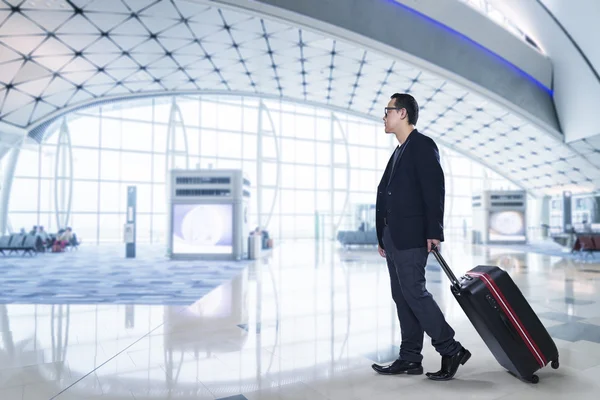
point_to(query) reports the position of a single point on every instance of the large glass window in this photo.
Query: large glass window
(122, 144)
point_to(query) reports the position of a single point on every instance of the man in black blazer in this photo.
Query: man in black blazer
(409, 219)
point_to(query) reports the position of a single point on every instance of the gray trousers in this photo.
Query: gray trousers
(417, 310)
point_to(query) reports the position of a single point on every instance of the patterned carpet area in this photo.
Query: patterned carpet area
(102, 274)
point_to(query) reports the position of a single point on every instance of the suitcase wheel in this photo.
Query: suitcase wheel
(534, 379)
(555, 364)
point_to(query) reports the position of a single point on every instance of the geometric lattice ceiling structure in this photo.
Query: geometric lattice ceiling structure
(56, 55)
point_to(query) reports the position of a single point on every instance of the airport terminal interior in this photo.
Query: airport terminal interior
(188, 194)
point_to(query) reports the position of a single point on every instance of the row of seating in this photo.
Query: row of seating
(587, 243)
(349, 238)
(28, 244)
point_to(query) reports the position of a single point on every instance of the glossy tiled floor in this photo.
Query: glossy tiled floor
(305, 323)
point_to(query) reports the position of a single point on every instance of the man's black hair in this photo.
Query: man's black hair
(404, 100)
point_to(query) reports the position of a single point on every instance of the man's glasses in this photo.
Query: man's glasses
(385, 110)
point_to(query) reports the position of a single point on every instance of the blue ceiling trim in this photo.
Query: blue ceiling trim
(474, 43)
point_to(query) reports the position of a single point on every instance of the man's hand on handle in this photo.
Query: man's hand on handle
(381, 251)
(434, 241)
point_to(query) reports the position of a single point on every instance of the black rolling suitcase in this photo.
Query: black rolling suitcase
(504, 319)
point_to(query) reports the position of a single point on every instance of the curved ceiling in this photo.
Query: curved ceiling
(569, 34)
(449, 39)
(58, 55)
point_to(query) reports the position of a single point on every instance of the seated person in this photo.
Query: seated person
(267, 243)
(41, 233)
(51, 240)
(63, 239)
(75, 240)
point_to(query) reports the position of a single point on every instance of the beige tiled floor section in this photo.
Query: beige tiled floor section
(314, 316)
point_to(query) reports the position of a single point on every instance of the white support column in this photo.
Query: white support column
(63, 176)
(545, 216)
(332, 176)
(11, 140)
(175, 120)
(171, 151)
(347, 167)
(9, 173)
(259, 161)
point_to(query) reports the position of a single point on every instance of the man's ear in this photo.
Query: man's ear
(403, 113)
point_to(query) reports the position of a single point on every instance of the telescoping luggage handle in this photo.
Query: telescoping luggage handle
(445, 267)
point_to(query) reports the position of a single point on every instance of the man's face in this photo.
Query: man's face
(393, 117)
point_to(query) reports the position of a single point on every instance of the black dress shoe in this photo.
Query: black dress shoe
(450, 365)
(400, 367)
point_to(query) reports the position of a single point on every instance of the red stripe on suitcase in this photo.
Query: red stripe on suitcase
(497, 293)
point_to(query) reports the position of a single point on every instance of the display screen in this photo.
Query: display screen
(507, 226)
(202, 228)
